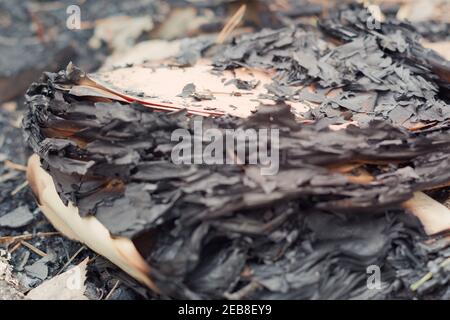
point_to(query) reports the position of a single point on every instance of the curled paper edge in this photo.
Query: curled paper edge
(87, 230)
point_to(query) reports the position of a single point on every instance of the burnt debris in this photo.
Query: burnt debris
(113, 161)
(311, 230)
(379, 70)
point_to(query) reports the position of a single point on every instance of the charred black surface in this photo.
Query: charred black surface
(377, 70)
(213, 230)
(218, 231)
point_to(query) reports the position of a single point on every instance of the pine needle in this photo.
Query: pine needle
(231, 25)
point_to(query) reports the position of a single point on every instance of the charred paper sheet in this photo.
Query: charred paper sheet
(333, 204)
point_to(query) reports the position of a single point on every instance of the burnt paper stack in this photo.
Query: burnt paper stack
(305, 225)
(377, 70)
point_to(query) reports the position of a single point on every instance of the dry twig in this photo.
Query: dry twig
(112, 290)
(33, 248)
(12, 239)
(19, 187)
(231, 24)
(71, 259)
(15, 166)
(428, 276)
